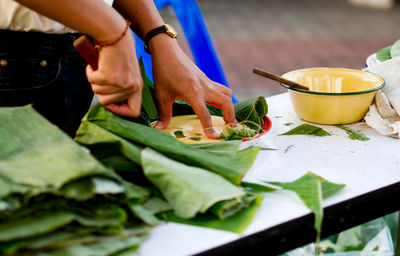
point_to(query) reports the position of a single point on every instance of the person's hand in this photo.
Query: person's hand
(117, 82)
(177, 77)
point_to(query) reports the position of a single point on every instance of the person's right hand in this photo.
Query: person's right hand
(117, 82)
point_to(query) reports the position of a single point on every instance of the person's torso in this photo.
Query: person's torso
(14, 16)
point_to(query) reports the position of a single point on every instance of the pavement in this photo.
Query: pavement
(284, 35)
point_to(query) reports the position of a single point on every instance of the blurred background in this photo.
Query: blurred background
(283, 35)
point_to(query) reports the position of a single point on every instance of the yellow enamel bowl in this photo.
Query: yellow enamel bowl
(335, 95)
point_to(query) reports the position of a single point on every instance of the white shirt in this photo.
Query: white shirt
(14, 16)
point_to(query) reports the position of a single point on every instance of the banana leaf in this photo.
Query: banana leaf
(156, 205)
(189, 190)
(307, 129)
(35, 153)
(96, 138)
(222, 148)
(353, 135)
(232, 167)
(236, 223)
(312, 189)
(8, 187)
(108, 247)
(229, 208)
(148, 106)
(251, 112)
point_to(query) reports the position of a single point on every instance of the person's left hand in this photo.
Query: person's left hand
(176, 77)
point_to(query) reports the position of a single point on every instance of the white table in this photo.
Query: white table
(371, 166)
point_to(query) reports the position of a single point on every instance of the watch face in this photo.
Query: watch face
(171, 31)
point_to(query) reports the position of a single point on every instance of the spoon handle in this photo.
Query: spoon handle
(279, 79)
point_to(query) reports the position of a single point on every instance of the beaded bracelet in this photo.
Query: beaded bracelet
(98, 45)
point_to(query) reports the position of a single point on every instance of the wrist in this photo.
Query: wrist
(100, 44)
(162, 41)
(157, 35)
(109, 32)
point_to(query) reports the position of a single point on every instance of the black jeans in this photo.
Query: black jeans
(46, 71)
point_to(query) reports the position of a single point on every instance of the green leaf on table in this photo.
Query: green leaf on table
(312, 189)
(384, 54)
(225, 209)
(288, 124)
(393, 137)
(236, 223)
(189, 190)
(288, 148)
(251, 112)
(354, 135)
(307, 129)
(395, 50)
(255, 188)
(266, 148)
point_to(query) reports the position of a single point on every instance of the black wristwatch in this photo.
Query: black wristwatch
(168, 29)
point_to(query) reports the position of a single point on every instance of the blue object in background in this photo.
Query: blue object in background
(191, 20)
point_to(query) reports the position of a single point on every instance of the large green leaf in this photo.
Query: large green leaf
(97, 138)
(252, 112)
(232, 167)
(189, 190)
(36, 153)
(8, 187)
(395, 49)
(312, 189)
(236, 223)
(34, 225)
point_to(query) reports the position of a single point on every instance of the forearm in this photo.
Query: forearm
(82, 15)
(142, 13)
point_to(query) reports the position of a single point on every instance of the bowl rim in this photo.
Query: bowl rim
(333, 93)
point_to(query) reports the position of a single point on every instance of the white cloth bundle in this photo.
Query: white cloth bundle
(384, 113)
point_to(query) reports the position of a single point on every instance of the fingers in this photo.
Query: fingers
(221, 88)
(110, 89)
(205, 119)
(226, 104)
(130, 108)
(165, 112)
(113, 98)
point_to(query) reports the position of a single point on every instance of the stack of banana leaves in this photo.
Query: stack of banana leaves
(57, 199)
(60, 198)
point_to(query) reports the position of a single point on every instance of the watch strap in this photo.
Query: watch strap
(158, 30)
